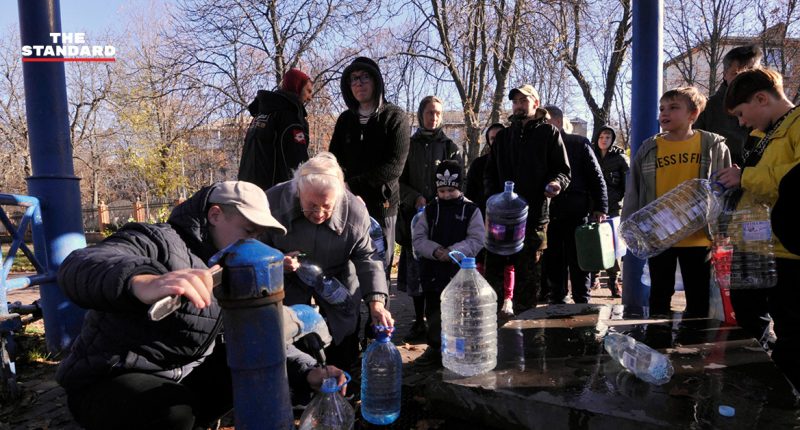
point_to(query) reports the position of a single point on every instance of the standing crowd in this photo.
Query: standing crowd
(136, 373)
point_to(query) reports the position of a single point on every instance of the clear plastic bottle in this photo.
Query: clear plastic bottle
(506, 216)
(328, 410)
(381, 379)
(743, 249)
(671, 218)
(378, 240)
(469, 322)
(414, 221)
(646, 363)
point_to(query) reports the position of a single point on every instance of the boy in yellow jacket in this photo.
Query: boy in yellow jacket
(757, 99)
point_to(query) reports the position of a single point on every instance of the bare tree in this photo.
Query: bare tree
(701, 27)
(14, 153)
(463, 38)
(90, 87)
(571, 19)
(779, 19)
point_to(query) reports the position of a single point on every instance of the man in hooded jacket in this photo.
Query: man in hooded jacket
(125, 371)
(277, 139)
(371, 141)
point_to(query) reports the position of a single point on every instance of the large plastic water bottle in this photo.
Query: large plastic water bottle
(742, 255)
(646, 363)
(328, 410)
(381, 379)
(414, 221)
(469, 322)
(506, 216)
(378, 241)
(671, 218)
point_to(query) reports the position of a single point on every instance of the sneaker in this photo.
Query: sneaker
(419, 331)
(430, 359)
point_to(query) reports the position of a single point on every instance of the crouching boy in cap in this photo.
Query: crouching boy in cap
(451, 223)
(125, 371)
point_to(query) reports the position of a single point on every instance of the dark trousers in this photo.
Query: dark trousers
(784, 299)
(433, 312)
(561, 260)
(752, 309)
(528, 270)
(144, 401)
(696, 273)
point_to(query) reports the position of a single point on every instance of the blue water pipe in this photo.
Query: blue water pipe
(53, 179)
(647, 67)
(250, 297)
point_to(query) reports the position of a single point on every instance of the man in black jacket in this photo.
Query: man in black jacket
(371, 141)
(584, 198)
(125, 371)
(715, 118)
(277, 139)
(531, 154)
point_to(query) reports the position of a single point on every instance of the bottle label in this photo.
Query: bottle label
(756, 230)
(453, 346)
(503, 232)
(628, 360)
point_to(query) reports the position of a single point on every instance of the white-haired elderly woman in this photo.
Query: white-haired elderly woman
(330, 225)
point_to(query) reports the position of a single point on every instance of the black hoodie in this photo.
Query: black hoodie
(277, 139)
(372, 155)
(117, 335)
(615, 167)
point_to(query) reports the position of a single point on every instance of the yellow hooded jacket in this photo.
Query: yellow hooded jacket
(781, 155)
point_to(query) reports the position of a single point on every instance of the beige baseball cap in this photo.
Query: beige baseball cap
(249, 199)
(526, 89)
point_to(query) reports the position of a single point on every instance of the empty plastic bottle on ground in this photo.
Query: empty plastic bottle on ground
(378, 241)
(381, 379)
(506, 216)
(414, 221)
(469, 322)
(742, 255)
(328, 410)
(646, 363)
(671, 218)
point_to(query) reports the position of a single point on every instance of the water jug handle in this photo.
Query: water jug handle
(347, 379)
(454, 254)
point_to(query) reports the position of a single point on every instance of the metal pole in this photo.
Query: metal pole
(647, 69)
(250, 297)
(53, 180)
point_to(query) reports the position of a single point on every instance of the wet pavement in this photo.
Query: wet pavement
(552, 373)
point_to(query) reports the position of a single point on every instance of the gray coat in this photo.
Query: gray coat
(341, 247)
(641, 187)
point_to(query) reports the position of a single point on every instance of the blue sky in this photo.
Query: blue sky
(77, 16)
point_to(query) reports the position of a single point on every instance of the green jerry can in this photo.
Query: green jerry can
(595, 245)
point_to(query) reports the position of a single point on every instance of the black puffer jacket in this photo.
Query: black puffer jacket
(117, 335)
(531, 155)
(587, 189)
(426, 151)
(277, 139)
(372, 155)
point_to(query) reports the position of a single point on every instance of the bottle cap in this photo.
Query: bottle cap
(727, 411)
(383, 333)
(468, 263)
